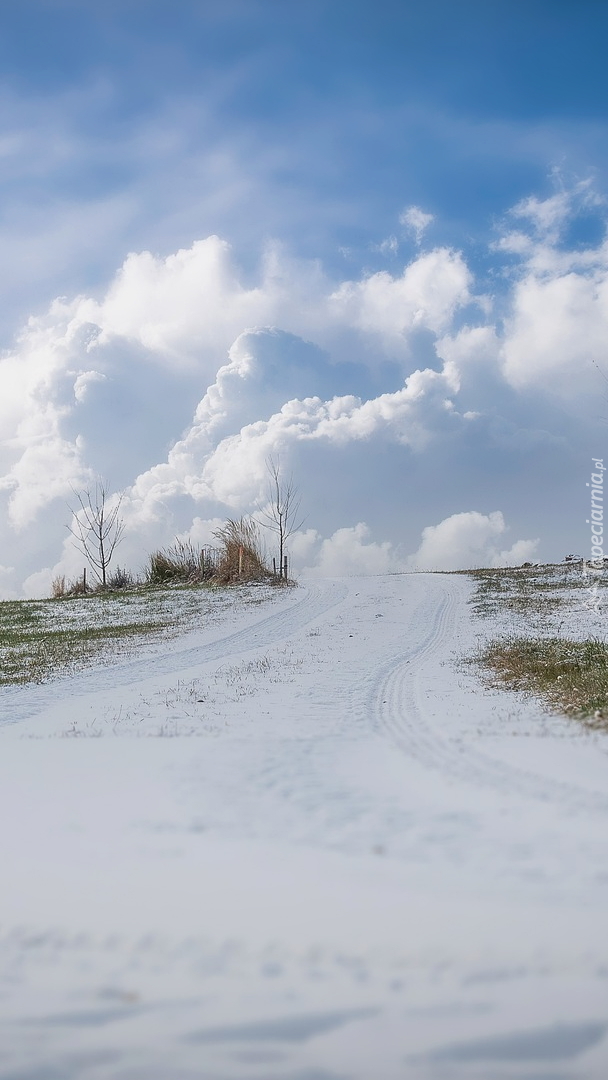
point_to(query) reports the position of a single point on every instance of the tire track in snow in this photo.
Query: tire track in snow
(22, 703)
(398, 703)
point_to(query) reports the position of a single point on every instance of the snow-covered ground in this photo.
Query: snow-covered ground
(302, 843)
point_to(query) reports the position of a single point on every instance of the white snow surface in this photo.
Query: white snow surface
(302, 843)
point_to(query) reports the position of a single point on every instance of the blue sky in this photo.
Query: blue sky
(401, 191)
(313, 120)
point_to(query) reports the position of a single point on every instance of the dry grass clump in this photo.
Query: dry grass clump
(58, 586)
(569, 676)
(241, 555)
(62, 589)
(183, 563)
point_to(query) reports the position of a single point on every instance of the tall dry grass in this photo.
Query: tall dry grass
(182, 563)
(241, 554)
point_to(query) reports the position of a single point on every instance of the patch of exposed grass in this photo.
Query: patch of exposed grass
(569, 676)
(532, 591)
(43, 639)
(35, 655)
(40, 640)
(20, 614)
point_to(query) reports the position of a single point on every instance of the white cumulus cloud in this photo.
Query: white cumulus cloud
(467, 540)
(349, 551)
(231, 468)
(556, 318)
(426, 296)
(180, 379)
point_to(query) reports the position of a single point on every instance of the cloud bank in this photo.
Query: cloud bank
(394, 398)
(469, 540)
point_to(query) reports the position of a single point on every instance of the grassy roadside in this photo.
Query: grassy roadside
(43, 639)
(569, 674)
(37, 656)
(534, 592)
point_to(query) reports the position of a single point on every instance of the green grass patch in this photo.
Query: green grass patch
(536, 592)
(569, 676)
(43, 639)
(35, 655)
(20, 615)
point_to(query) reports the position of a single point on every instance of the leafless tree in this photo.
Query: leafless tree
(97, 527)
(282, 513)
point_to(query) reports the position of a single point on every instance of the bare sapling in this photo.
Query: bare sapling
(282, 512)
(97, 527)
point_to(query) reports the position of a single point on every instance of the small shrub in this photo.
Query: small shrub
(121, 579)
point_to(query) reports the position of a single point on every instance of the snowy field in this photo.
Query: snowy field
(302, 842)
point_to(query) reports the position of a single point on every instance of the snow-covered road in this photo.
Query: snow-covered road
(302, 843)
